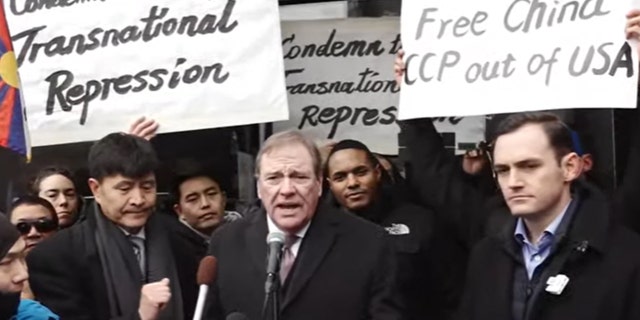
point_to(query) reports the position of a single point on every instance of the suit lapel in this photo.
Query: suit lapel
(502, 292)
(316, 244)
(256, 240)
(500, 288)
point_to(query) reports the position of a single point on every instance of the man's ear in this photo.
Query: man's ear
(177, 210)
(94, 186)
(258, 191)
(571, 166)
(587, 162)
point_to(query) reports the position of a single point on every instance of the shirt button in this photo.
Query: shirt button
(537, 258)
(529, 291)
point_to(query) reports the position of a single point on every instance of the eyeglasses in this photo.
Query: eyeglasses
(41, 225)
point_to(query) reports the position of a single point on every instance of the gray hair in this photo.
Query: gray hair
(287, 138)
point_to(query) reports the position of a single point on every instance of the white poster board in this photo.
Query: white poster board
(315, 11)
(340, 83)
(468, 57)
(89, 68)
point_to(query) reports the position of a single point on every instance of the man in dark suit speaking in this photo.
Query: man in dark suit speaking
(334, 265)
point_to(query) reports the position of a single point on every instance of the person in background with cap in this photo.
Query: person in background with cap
(13, 276)
(360, 185)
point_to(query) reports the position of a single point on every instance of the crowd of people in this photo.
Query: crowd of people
(513, 230)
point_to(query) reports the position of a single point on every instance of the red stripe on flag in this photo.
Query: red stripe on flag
(4, 29)
(6, 114)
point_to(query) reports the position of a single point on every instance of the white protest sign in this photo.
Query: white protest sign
(341, 86)
(92, 67)
(467, 57)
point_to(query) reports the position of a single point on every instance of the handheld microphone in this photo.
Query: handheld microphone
(275, 241)
(206, 275)
(237, 316)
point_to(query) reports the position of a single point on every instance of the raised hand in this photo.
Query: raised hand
(399, 67)
(144, 128)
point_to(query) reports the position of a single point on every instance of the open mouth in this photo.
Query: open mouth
(289, 206)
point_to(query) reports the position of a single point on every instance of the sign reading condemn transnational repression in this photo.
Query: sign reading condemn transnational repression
(341, 85)
(92, 67)
(468, 57)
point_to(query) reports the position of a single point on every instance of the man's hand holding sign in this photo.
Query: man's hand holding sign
(633, 29)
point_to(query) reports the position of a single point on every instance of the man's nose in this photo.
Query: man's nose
(515, 180)
(137, 197)
(287, 187)
(33, 232)
(352, 181)
(62, 200)
(204, 202)
(21, 274)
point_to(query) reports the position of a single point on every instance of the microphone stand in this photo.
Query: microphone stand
(272, 294)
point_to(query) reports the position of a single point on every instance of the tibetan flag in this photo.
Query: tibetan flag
(14, 133)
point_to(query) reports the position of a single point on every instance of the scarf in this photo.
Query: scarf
(122, 274)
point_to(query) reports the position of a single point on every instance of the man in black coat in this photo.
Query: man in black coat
(561, 256)
(115, 264)
(333, 266)
(360, 186)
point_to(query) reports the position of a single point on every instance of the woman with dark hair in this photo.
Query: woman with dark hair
(56, 185)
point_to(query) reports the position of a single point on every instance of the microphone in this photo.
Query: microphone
(275, 241)
(237, 316)
(206, 275)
